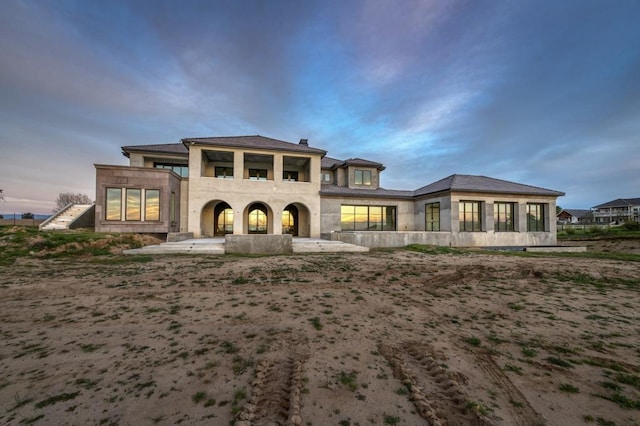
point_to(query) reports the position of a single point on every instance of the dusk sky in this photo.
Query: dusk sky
(545, 93)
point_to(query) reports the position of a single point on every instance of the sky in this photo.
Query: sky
(541, 92)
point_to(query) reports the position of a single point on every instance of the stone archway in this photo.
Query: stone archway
(210, 217)
(296, 220)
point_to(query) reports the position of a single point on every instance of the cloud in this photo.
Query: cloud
(545, 93)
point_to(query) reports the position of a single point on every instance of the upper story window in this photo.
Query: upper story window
(432, 216)
(362, 177)
(470, 216)
(258, 166)
(218, 164)
(290, 176)
(179, 169)
(257, 174)
(296, 169)
(503, 214)
(224, 172)
(326, 177)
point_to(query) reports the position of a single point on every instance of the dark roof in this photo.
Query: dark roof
(357, 192)
(576, 212)
(333, 163)
(254, 142)
(620, 202)
(329, 163)
(167, 148)
(471, 183)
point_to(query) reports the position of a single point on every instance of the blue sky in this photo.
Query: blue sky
(540, 92)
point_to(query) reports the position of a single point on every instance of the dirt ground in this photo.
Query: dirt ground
(383, 338)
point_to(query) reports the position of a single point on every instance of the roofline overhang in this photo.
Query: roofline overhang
(313, 151)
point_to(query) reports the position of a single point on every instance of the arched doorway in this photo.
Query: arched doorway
(290, 220)
(257, 220)
(296, 220)
(223, 219)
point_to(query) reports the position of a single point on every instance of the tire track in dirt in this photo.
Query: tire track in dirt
(437, 394)
(524, 414)
(275, 394)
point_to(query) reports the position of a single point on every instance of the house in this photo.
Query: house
(258, 185)
(619, 210)
(567, 216)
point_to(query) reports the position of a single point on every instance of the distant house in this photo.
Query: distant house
(619, 210)
(574, 216)
(258, 185)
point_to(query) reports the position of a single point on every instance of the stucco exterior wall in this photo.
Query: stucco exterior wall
(124, 177)
(276, 194)
(411, 222)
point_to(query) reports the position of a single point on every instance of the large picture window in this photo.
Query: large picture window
(139, 204)
(535, 217)
(503, 214)
(113, 209)
(367, 218)
(470, 216)
(152, 204)
(362, 177)
(133, 204)
(432, 216)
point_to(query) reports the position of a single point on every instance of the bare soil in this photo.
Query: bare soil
(383, 338)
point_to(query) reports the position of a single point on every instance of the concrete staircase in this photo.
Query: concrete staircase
(216, 246)
(195, 246)
(308, 245)
(65, 218)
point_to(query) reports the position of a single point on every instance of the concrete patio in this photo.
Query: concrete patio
(214, 246)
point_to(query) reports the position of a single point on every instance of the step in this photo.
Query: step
(177, 248)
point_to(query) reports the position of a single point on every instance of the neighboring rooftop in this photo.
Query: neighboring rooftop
(620, 202)
(471, 183)
(255, 142)
(576, 212)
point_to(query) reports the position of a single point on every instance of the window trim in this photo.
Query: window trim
(287, 176)
(462, 216)
(429, 212)
(543, 207)
(361, 180)
(130, 206)
(258, 174)
(224, 170)
(510, 221)
(147, 204)
(118, 202)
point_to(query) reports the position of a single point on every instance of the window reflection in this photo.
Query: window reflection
(367, 218)
(114, 204)
(133, 204)
(152, 204)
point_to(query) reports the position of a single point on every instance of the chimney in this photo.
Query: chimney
(304, 142)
